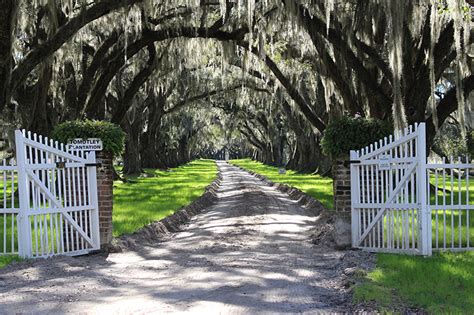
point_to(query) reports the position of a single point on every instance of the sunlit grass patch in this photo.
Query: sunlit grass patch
(451, 191)
(5, 260)
(316, 186)
(443, 283)
(451, 227)
(8, 239)
(158, 194)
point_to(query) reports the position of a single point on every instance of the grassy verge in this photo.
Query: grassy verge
(316, 186)
(5, 260)
(443, 283)
(158, 194)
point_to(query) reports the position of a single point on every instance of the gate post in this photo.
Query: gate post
(342, 203)
(425, 214)
(354, 199)
(92, 178)
(23, 221)
(105, 180)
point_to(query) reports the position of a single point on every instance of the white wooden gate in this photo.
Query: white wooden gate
(398, 199)
(49, 200)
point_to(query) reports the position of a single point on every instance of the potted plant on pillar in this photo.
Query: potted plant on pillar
(342, 135)
(112, 138)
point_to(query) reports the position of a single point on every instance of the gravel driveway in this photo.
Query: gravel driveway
(250, 253)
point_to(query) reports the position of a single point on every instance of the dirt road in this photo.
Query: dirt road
(248, 254)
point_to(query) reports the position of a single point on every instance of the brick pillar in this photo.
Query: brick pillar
(342, 203)
(105, 179)
(342, 186)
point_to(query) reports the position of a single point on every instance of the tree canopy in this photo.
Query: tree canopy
(188, 78)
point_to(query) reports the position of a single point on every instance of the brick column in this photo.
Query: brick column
(105, 179)
(342, 203)
(342, 186)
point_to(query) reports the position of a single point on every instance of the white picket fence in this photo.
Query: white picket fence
(450, 200)
(9, 208)
(402, 204)
(49, 200)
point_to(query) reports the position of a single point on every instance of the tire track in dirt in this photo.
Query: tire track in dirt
(250, 253)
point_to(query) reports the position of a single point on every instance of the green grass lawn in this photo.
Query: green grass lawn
(8, 223)
(5, 260)
(143, 200)
(454, 192)
(314, 185)
(443, 283)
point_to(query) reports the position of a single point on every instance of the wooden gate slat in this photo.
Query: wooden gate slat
(392, 195)
(53, 199)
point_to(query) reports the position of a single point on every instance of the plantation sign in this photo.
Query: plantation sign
(91, 144)
(385, 163)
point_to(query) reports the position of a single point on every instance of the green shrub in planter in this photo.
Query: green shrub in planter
(347, 133)
(111, 135)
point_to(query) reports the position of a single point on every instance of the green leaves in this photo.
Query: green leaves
(451, 142)
(347, 133)
(111, 135)
(470, 143)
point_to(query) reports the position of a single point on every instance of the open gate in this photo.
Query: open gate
(52, 195)
(394, 202)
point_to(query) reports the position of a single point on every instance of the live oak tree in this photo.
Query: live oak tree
(284, 68)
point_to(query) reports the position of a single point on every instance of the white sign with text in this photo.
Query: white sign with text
(91, 144)
(385, 162)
